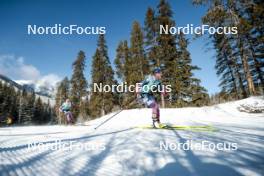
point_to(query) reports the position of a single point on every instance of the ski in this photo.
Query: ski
(179, 127)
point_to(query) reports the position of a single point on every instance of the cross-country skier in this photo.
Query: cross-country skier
(149, 86)
(66, 109)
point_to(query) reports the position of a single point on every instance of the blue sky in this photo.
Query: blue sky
(23, 55)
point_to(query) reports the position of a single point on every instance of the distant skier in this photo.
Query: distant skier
(149, 86)
(66, 109)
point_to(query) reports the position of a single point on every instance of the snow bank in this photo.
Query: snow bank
(252, 105)
(225, 113)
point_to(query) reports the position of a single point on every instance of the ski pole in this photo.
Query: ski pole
(112, 116)
(108, 119)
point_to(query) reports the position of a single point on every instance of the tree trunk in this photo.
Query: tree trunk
(257, 67)
(251, 86)
(103, 106)
(231, 70)
(249, 79)
(239, 77)
(234, 83)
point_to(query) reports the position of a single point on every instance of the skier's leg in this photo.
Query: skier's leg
(69, 117)
(158, 112)
(65, 120)
(150, 102)
(155, 112)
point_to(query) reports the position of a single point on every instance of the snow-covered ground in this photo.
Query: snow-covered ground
(119, 148)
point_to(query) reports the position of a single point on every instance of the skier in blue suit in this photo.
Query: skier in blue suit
(149, 86)
(66, 109)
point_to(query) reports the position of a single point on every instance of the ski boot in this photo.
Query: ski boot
(156, 124)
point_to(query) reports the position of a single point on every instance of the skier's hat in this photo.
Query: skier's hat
(157, 70)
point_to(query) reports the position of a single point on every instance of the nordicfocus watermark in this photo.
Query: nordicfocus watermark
(124, 87)
(198, 145)
(59, 29)
(65, 146)
(198, 30)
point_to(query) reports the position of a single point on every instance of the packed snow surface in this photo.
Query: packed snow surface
(119, 147)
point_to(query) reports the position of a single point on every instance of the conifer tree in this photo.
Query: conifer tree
(78, 86)
(240, 53)
(102, 102)
(190, 89)
(96, 106)
(151, 33)
(127, 61)
(123, 61)
(63, 93)
(120, 61)
(39, 111)
(8, 101)
(47, 113)
(22, 106)
(123, 69)
(30, 106)
(26, 107)
(139, 63)
(169, 52)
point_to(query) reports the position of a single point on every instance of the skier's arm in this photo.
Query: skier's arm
(61, 108)
(139, 86)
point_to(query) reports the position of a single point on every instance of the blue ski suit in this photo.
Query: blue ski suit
(148, 85)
